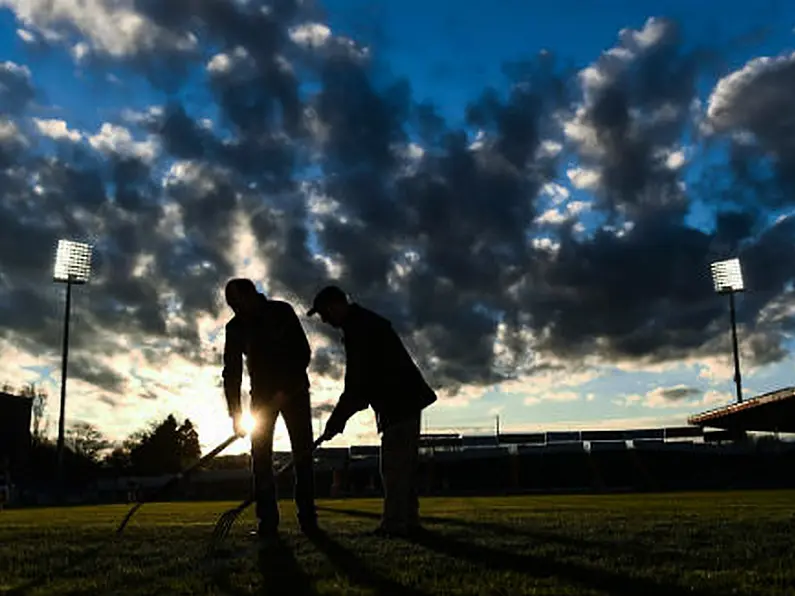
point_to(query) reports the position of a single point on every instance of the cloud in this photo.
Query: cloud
(671, 395)
(551, 226)
(16, 87)
(116, 139)
(310, 34)
(56, 129)
(113, 28)
(678, 396)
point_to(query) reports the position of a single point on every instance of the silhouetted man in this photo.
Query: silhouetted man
(277, 352)
(380, 373)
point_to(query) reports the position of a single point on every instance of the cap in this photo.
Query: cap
(324, 297)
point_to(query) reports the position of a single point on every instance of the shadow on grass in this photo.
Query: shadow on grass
(61, 571)
(281, 573)
(503, 530)
(356, 570)
(534, 565)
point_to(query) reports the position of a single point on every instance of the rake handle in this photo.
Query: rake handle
(174, 480)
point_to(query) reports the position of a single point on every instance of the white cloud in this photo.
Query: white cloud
(244, 249)
(557, 192)
(559, 396)
(310, 35)
(110, 27)
(557, 216)
(80, 51)
(226, 62)
(26, 36)
(545, 244)
(584, 178)
(56, 129)
(725, 109)
(599, 424)
(676, 159)
(653, 32)
(113, 138)
(561, 385)
(549, 148)
(551, 216)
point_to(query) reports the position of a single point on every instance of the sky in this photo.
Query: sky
(532, 195)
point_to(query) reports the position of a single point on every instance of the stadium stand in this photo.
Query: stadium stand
(769, 412)
(599, 460)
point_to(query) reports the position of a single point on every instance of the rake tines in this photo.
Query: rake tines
(228, 518)
(225, 522)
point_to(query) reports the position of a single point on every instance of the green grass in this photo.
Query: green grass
(716, 543)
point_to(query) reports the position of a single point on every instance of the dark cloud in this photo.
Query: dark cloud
(107, 400)
(679, 393)
(86, 367)
(323, 410)
(16, 88)
(435, 227)
(754, 105)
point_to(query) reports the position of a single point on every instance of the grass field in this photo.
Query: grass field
(717, 543)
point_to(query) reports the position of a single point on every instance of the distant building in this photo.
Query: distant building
(15, 439)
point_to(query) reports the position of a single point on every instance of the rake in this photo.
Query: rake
(228, 518)
(175, 480)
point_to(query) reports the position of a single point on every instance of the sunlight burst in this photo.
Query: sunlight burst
(248, 422)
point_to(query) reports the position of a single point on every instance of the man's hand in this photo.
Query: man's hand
(237, 423)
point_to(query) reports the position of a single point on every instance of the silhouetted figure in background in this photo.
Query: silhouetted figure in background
(277, 352)
(380, 373)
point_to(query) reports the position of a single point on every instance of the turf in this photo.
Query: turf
(640, 545)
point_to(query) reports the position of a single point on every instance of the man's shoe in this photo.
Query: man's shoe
(309, 527)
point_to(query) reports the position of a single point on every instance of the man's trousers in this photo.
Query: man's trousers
(297, 413)
(399, 463)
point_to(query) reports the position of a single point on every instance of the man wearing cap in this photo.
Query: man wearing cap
(380, 373)
(277, 353)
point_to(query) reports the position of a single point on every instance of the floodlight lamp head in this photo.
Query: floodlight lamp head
(72, 262)
(727, 276)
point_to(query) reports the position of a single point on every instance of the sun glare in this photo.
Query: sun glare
(248, 422)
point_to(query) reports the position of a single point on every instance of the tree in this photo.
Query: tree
(87, 440)
(189, 447)
(118, 460)
(166, 448)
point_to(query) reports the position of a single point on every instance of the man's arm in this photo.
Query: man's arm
(347, 406)
(233, 369)
(353, 398)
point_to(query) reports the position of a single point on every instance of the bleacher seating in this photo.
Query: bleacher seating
(658, 459)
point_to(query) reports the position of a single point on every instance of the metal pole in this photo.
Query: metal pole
(737, 377)
(64, 359)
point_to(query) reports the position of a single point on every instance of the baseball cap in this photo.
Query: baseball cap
(324, 297)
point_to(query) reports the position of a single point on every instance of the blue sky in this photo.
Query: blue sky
(450, 52)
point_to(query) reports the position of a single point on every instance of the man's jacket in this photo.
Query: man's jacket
(276, 350)
(379, 372)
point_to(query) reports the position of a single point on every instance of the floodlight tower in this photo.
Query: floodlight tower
(727, 276)
(72, 267)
